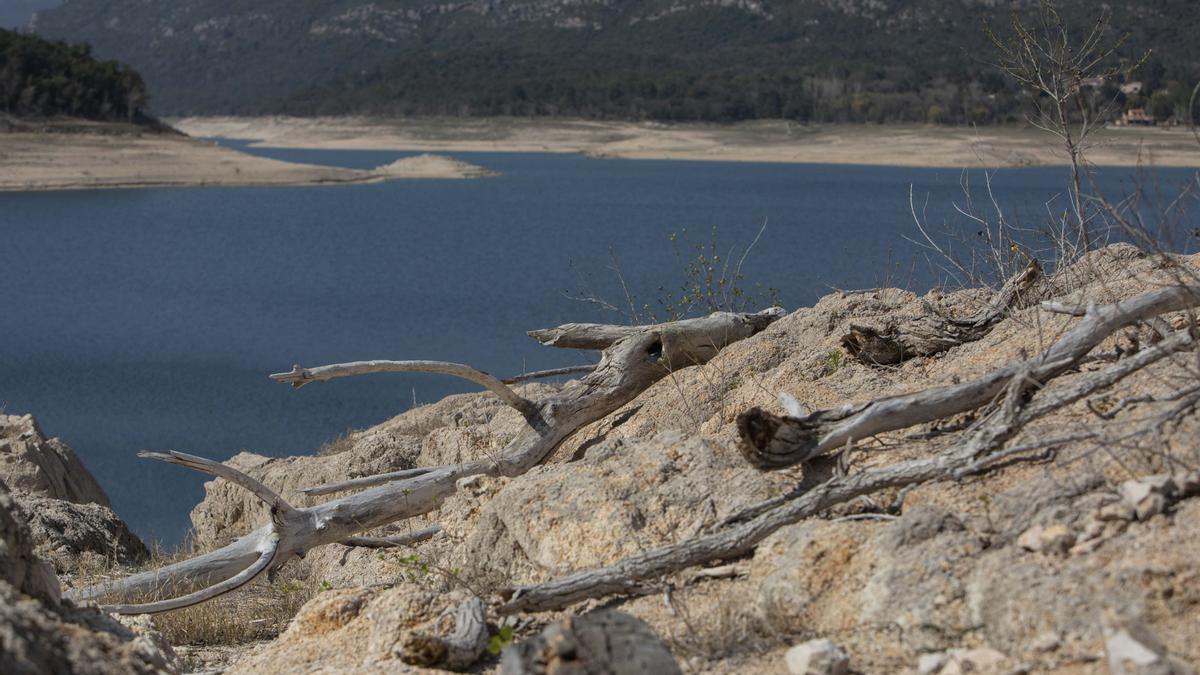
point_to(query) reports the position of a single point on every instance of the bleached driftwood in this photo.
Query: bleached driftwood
(458, 650)
(739, 535)
(934, 333)
(298, 377)
(771, 441)
(627, 367)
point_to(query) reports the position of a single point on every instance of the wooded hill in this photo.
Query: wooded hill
(808, 60)
(40, 78)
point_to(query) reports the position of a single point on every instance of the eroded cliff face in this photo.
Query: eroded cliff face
(41, 633)
(68, 514)
(31, 462)
(1033, 566)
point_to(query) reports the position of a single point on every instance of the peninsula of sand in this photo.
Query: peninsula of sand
(761, 141)
(101, 158)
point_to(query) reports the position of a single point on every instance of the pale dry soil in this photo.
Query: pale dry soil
(760, 141)
(64, 161)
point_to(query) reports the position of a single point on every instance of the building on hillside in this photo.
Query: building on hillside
(1136, 116)
(1131, 88)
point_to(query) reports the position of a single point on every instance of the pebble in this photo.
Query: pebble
(817, 657)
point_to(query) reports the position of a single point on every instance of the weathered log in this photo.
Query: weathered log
(456, 651)
(738, 536)
(770, 441)
(934, 333)
(626, 368)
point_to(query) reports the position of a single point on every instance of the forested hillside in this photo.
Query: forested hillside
(809, 60)
(39, 78)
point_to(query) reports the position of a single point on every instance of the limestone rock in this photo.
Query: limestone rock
(41, 634)
(19, 567)
(1148, 496)
(65, 533)
(68, 515)
(604, 642)
(30, 462)
(457, 428)
(622, 497)
(1133, 649)
(982, 661)
(361, 630)
(1056, 538)
(817, 657)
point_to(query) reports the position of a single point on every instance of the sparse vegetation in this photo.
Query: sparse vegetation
(337, 445)
(833, 361)
(711, 280)
(260, 610)
(501, 639)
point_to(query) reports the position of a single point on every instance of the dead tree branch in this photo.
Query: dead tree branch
(739, 535)
(627, 367)
(770, 441)
(298, 377)
(934, 333)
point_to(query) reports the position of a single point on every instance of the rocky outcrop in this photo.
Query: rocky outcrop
(1022, 568)
(363, 630)
(39, 633)
(621, 497)
(451, 430)
(80, 535)
(604, 641)
(31, 462)
(69, 515)
(19, 567)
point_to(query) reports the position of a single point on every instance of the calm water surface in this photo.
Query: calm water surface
(149, 319)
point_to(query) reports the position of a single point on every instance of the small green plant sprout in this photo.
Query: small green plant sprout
(325, 586)
(501, 639)
(288, 587)
(712, 282)
(417, 569)
(833, 361)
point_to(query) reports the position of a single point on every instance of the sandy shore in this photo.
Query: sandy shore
(773, 141)
(64, 161)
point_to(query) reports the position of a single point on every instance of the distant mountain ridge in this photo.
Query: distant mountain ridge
(868, 60)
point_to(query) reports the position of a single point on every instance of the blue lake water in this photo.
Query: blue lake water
(149, 319)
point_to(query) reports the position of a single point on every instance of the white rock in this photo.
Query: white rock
(1116, 511)
(961, 662)
(1148, 496)
(817, 657)
(930, 664)
(1132, 650)
(1047, 642)
(1056, 538)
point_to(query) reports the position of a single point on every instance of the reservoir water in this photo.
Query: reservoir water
(149, 319)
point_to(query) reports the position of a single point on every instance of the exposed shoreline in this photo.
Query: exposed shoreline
(763, 141)
(34, 161)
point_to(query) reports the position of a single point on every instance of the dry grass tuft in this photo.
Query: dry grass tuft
(261, 610)
(336, 446)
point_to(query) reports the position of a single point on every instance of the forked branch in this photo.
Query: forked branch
(627, 367)
(739, 535)
(770, 441)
